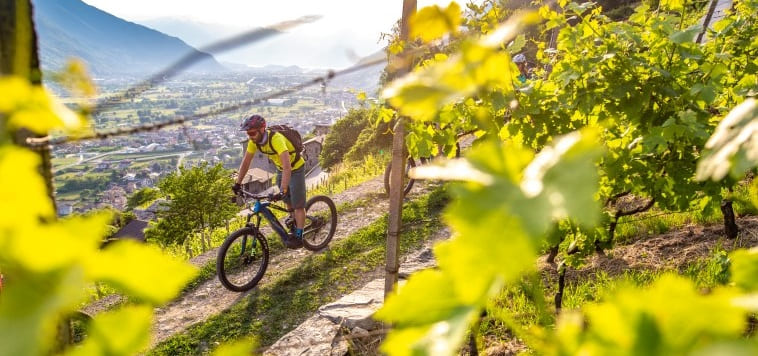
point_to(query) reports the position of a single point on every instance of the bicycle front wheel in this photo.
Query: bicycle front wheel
(320, 222)
(242, 259)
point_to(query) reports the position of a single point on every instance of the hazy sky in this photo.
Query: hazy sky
(355, 24)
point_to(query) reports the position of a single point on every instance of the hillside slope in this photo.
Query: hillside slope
(108, 44)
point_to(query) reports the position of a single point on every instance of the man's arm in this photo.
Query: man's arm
(284, 157)
(244, 167)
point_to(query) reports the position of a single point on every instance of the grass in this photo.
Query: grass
(270, 312)
(656, 222)
(347, 175)
(530, 303)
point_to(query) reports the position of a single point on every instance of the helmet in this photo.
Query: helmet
(519, 58)
(253, 122)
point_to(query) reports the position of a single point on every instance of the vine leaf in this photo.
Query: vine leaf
(429, 315)
(120, 332)
(744, 269)
(433, 22)
(733, 147)
(659, 318)
(21, 207)
(481, 64)
(131, 266)
(30, 106)
(498, 229)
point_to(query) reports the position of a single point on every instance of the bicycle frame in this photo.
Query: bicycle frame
(264, 208)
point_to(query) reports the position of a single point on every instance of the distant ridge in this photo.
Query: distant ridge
(109, 45)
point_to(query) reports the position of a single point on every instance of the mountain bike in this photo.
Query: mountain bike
(243, 257)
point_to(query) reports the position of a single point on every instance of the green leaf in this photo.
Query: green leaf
(565, 177)
(433, 22)
(132, 267)
(23, 192)
(470, 258)
(673, 5)
(414, 305)
(442, 338)
(125, 331)
(731, 348)
(687, 35)
(30, 106)
(744, 269)
(517, 44)
(237, 348)
(733, 147)
(428, 316)
(626, 319)
(68, 242)
(31, 308)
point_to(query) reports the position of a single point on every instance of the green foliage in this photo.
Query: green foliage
(199, 201)
(711, 271)
(98, 183)
(142, 196)
(641, 91)
(350, 174)
(733, 148)
(354, 136)
(432, 22)
(341, 137)
(48, 264)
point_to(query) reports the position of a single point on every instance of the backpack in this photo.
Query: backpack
(290, 134)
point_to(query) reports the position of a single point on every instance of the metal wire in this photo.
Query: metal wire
(198, 55)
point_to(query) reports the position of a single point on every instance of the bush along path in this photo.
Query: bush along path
(297, 282)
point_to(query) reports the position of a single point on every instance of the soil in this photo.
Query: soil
(673, 250)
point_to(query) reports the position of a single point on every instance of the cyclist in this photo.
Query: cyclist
(290, 177)
(520, 61)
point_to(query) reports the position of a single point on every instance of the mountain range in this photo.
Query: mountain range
(107, 44)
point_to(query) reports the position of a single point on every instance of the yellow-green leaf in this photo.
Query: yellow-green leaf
(32, 305)
(744, 269)
(237, 348)
(428, 316)
(30, 106)
(22, 190)
(141, 270)
(733, 147)
(673, 5)
(125, 331)
(65, 243)
(433, 22)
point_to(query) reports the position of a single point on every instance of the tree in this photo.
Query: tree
(198, 203)
(141, 196)
(355, 135)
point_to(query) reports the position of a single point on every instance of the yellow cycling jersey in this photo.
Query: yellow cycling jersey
(279, 143)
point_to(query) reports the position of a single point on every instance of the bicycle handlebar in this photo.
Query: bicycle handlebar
(270, 197)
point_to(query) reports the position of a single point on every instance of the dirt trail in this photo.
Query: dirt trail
(211, 298)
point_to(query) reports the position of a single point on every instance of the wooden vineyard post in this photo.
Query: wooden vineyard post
(392, 264)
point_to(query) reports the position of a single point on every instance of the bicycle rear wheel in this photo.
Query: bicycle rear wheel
(242, 259)
(320, 222)
(407, 181)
